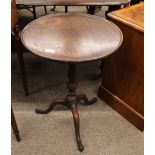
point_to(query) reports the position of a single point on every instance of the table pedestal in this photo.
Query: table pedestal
(71, 101)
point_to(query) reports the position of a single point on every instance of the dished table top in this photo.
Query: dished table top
(72, 37)
(72, 2)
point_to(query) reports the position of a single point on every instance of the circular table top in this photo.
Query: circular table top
(72, 37)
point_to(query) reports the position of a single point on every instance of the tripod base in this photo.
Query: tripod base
(71, 102)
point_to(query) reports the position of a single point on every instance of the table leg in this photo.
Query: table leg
(53, 9)
(14, 126)
(77, 126)
(34, 12)
(45, 9)
(72, 100)
(66, 9)
(91, 10)
(52, 105)
(102, 67)
(87, 7)
(18, 47)
(85, 99)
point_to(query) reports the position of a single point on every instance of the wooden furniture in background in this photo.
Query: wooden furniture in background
(88, 38)
(117, 7)
(123, 73)
(13, 24)
(14, 126)
(90, 3)
(18, 46)
(20, 6)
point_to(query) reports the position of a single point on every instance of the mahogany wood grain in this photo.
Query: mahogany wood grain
(72, 37)
(123, 74)
(131, 16)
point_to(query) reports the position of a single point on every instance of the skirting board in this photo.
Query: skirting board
(121, 107)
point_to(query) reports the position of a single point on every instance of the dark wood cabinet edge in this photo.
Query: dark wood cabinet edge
(121, 107)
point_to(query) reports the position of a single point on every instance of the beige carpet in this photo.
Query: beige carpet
(103, 131)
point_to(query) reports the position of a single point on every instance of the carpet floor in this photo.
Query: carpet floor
(103, 131)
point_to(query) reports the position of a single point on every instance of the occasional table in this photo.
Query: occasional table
(71, 38)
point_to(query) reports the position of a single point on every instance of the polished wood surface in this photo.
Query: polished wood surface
(123, 73)
(72, 2)
(132, 16)
(72, 37)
